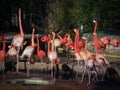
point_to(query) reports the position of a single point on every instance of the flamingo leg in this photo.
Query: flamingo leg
(96, 75)
(83, 74)
(3, 69)
(28, 67)
(77, 70)
(17, 67)
(102, 71)
(52, 66)
(54, 78)
(17, 56)
(89, 77)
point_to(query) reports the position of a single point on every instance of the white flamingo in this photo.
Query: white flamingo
(17, 42)
(28, 51)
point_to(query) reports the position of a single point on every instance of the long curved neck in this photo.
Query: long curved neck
(95, 26)
(86, 41)
(53, 39)
(58, 35)
(32, 40)
(48, 47)
(38, 44)
(77, 40)
(95, 36)
(20, 23)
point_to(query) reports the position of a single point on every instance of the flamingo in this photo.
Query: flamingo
(100, 43)
(115, 42)
(40, 53)
(89, 65)
(77, 49)
(17, 42)
(28, 51)
(99, 57)
(69, 45)
(3, 52)
(84, 54)
(60, 41)
(52, 54)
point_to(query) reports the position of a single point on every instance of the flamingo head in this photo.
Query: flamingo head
(106, 40)
(45, 38)
(76, 30)
(94, 21)
(53, 33)
(67, 35)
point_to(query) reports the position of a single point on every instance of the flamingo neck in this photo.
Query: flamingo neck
(48, 50)
(95, 27)
(58, 35)
(38, 44)
(53, 39)
(32, 40)
(20, 23)
(95, 37)
(77, 41)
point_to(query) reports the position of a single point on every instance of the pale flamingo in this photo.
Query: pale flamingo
(3, 53)
(89, 65)
(17, 42)
(85, 55)
(52, 54)
(77, 50)
(28, 51)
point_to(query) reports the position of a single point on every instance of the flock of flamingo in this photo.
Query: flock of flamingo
(79, 45)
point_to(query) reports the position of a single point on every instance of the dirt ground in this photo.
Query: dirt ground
(9, 83)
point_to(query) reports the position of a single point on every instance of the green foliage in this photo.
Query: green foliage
(64, 15)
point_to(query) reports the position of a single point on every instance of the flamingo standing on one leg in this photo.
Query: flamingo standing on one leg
(28, 51)
(17, 42)
(40, 53)
(3, 52)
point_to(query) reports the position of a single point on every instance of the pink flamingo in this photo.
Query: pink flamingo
(28, 51)
(63, 40)
(40, 53)
(115, 42)
(3, 52)
(100, 43)
(99, 57)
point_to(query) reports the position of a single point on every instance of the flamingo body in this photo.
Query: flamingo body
(18, 40)
(28, 51)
